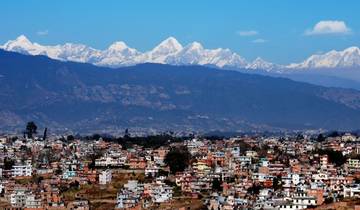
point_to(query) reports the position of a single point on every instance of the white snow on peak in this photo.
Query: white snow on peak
(118, 46)
(195, 46)
(170, 51)
(23, 40)
(22, 45)
(117, 54)
(170, 45)
(161, 52)
(349, 57)
(195, 54)
(260, 63)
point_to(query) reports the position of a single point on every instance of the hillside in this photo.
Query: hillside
(87, 98)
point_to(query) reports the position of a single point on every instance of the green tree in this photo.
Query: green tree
(8, 163)
(277, 183)
(70, 138)
(254, 189)
(335, 157)
(320, 138)
(31, 129)
(334, 134)
(177, 159)
(45, 134)
(217, 185)
(127, 134)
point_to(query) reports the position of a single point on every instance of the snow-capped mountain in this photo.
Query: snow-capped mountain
(118, 54)
(23, 45)
(77, 53)
(160, 53)
(66, 52)
(169, 51)
(349, 57)
(195, 54)
(260, 63)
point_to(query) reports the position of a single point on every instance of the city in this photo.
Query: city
(179, 105)
(167, 172)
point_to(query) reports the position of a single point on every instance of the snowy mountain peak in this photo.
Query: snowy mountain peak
(170, 51)
(349, 57)
(260, 63)
(72, 45)
(195, 46)
(22, 38)
(352, 50)
(118, 46)
(259, 59)
(20, 42)
(170, 45)
(161, 52)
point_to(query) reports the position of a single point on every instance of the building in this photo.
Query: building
(130, 195)
(18, 198)
(22, 170)
(32, 202)
(354, 163)
(160, 192)
(352, 191)
(105, 177)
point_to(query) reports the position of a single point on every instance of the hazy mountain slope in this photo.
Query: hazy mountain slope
(89, 98)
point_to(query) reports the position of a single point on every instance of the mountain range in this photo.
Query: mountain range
(73, 96)
(170, 51)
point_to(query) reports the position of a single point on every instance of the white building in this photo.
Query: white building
(299, 201)
(160, 192)
(245, 160)
(151, 170)
(110, 161)
(352, 191)
(235, 151)
(18, 198)
(291, 180)
(105, 177)
(2, 187)
(22, 170)
(32, 202)
(348, 137)
(291, 207)
(129, 196)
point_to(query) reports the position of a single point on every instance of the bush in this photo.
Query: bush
(335, 157)
(177, 159)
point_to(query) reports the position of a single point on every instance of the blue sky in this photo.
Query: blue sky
(276, 30)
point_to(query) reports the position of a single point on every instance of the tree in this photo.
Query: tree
(8, 163)
(31, 129)
(277, 183)
(299, 137)
(357, 180)
(96, 136)
(334, 134)
(177, 159)
(74, 185)
(320, 138)
(335, 157)
(217, 185)
(328, 200)
(70, 138)
(254, 189)
(127, 134)
(45, 134)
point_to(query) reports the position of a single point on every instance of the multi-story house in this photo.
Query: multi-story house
(105, 177)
